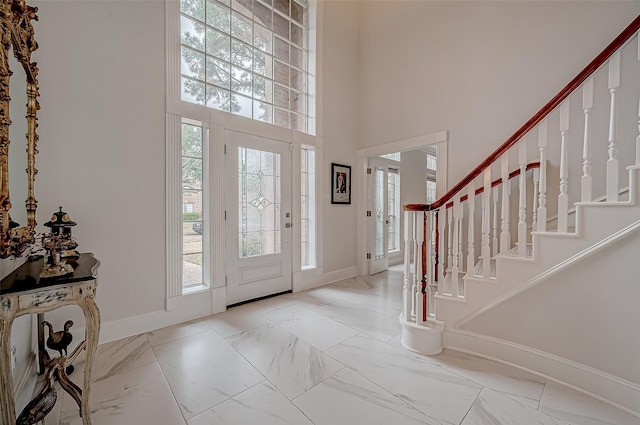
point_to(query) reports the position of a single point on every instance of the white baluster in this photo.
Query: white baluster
(471, 254)
(505, 234)
(495, 242)
(587, 104)
(522, 199)
(486, 217)
(442, 213)
(417, 261)
(563, 197)
(408, 235)
(534, 208)
(456, 247)
(542, 205)
(612, 163)
(417, 288)
(638, 138)
(431, 259)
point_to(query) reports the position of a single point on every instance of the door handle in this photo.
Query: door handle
(287, 225)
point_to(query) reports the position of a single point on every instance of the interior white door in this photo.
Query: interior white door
(378, 201)
(258, 212)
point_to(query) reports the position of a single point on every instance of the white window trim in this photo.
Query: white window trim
(213, 298)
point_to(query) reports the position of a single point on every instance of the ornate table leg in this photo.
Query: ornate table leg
(7, 313)
(92, 318)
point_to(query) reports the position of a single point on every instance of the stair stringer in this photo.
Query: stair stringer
(596, 223)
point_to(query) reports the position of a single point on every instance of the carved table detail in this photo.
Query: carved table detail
(23, 292)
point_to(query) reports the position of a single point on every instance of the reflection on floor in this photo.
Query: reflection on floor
(330, 356)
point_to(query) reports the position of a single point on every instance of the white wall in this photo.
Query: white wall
(477, 69)
(586, 313)
(341, 73)
(413, 177)
(102, 139)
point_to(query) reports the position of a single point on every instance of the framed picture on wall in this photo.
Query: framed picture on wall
(340, 184)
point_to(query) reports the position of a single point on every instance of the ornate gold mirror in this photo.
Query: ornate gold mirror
(17, 40)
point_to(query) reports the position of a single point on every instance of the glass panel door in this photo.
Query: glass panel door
(258, 217)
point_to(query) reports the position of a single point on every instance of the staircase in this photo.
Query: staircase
(554, 199)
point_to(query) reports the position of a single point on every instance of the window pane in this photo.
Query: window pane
(241, 81)
(262, 89)
(218, 16)
(218, 98)
(262, 111)
(281, 96)
(191, 141)
(297, 12)
(218, 72)
(298, 122)
(297, 35)
(193, 91)
(192, 270)
(262, 64)
(241, 105)
(192, 64)
(263, 39)
(281, 49)
(259, 204)
(281, 72)
(298, 102)
(282, 6)
(262, 14)
(218, 44)
(379, 213)
(241, 55)
(241, 27)
(297, 57)
(298, 80)
(281, 117)
(243, 6)
(192, 33)
(281, 26)
(194, 8)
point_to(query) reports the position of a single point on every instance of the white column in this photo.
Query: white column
(471, 200)
(586, 182)
(505, 234)
(522, 199)
(563, 197)
(542, 204)
(408, 242)
(486, 217)
(612, 163)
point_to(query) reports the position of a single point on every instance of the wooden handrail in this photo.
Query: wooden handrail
(539, 116)
(496, 182)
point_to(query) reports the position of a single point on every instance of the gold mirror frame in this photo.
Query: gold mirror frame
(17, 35)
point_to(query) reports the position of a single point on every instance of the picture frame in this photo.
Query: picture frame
(340, 184)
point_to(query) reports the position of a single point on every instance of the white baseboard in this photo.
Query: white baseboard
(196, 306)
(605, 387)
(313, 279)
(123, 328)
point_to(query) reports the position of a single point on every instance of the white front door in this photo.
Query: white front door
(378, 200)
(258, 199)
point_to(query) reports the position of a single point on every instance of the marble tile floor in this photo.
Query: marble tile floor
(327, 356)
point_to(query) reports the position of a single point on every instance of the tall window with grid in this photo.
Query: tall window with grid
(247, 57)
(393, 210)
(193, 181)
